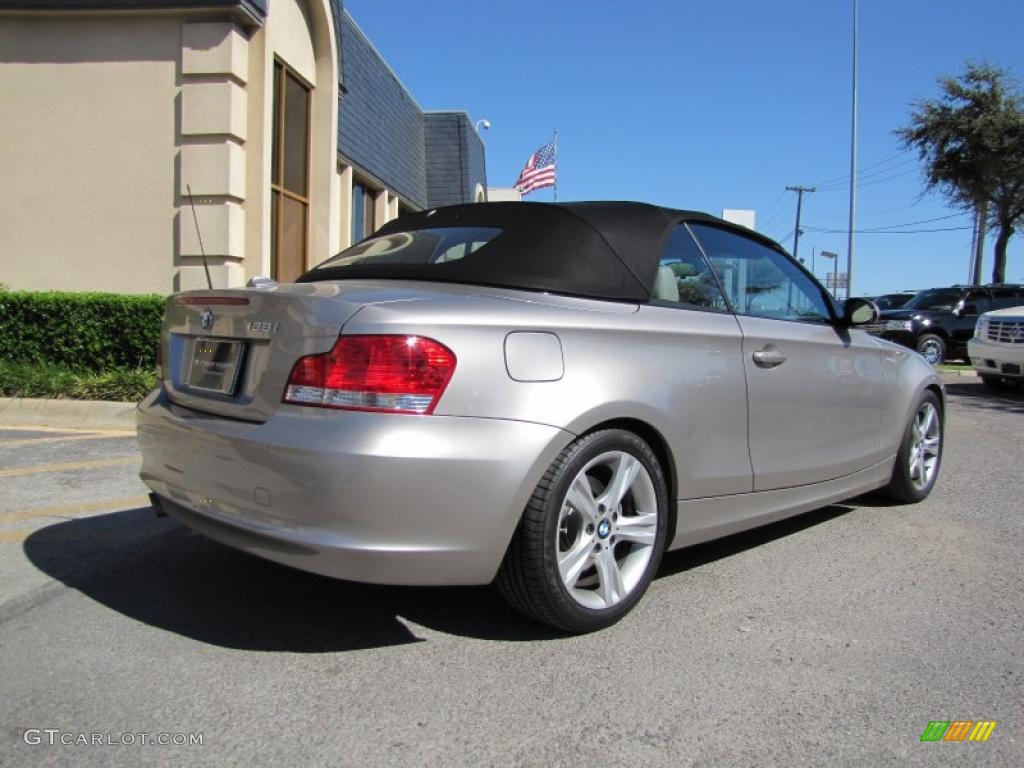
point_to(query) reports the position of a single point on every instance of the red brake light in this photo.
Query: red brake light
(398, 374)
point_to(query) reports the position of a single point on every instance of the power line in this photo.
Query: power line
(779, 215)
(873, 174)
(842, 187)
(886, 212)
(884, 231)
(911, 223)
(790, 232)
(890, 227)
(773, 203)
(846, 177)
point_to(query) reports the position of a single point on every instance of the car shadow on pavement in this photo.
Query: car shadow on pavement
(974, 394)
(160, 573)
(687, 559)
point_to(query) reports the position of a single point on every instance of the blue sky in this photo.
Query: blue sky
(712, 104)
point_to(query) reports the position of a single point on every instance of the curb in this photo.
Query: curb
(75, 414)
(957, 374)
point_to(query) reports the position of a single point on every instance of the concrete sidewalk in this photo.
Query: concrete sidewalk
(77, 414)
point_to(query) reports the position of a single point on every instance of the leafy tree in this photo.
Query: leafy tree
(971, 140)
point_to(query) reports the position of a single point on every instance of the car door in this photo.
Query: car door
(703, 361)
(815, 390)
(976, 302)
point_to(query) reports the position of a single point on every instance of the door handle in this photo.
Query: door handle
(769, 357)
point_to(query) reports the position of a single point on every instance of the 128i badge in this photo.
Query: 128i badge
(261, 326)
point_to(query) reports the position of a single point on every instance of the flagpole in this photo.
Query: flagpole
(555, 142)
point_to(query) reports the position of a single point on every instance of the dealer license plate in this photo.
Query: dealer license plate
(215, 365)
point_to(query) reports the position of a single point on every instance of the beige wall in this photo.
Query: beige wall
(105, 119)
(300, 33)
(88, 153)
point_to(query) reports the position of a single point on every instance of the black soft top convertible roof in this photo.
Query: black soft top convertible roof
(606, 250)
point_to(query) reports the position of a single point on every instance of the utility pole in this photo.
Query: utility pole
(799, 206)
(851, 242)
(980, 225)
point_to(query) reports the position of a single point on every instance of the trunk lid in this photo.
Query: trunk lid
(249, 338)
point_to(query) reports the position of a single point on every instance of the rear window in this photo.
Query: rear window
(422, 247)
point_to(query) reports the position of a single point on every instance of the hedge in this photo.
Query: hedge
(48, 380)
(80, 331)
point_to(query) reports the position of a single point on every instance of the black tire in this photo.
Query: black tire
(997, 383)
(529, 577)
(932, 347)
(902, 488)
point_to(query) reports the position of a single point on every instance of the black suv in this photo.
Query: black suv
(938, 322)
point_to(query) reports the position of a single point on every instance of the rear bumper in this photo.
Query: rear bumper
(390, 499)
(992, 358)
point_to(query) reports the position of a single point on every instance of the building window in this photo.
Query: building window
(363, 210)
(289, 175)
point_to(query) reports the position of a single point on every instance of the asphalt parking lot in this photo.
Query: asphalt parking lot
(830, 639)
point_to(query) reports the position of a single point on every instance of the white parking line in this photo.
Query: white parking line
(65, 439)
(25, 428)
(73, 510)
(36, 469)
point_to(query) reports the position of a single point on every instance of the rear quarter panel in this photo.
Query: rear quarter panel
(678, 371)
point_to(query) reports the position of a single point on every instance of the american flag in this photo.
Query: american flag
(539, 171)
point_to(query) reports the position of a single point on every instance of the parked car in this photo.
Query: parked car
(545, 396)
(892, 300)
(939, 322)
(997, 349)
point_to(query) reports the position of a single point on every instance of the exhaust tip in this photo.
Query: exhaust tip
(158, 506)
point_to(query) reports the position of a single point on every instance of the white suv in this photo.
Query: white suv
(997, 349)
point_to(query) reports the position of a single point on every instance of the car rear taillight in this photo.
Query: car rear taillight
(398, 374)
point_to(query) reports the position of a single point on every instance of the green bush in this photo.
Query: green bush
(80, 331)
(48, 380)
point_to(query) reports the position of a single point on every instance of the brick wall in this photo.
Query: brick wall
(454, 159)
(380, 126)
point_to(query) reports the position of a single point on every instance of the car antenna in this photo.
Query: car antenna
(199, 234)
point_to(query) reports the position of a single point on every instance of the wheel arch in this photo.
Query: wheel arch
(940, 394)
(934, 330)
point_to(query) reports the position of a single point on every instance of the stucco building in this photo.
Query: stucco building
(293, 134)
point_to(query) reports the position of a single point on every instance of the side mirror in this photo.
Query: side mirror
(968, 309)
(859, 312)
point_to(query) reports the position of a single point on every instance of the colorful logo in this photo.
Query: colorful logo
(958, 730)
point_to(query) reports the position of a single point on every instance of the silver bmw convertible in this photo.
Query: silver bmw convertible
(545, 396)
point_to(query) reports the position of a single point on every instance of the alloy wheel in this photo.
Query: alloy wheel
(925, 443)
(932, 352)
(606, 531)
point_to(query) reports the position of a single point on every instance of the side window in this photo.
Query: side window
(975, 302)
(1006, 297)
(759, 280)
(684, 276)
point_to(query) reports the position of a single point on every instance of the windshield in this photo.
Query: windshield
(419, 246)
(938, 299)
